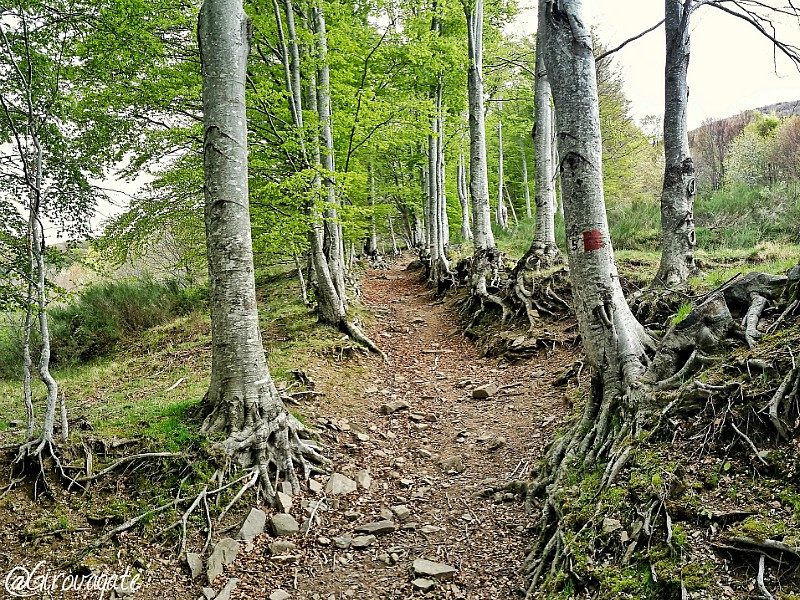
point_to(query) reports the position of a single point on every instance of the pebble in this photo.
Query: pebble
(423, 584)
(363, 541)
(339, 484)
(279, 595)
(377, 527)
(343, 541)
(283, 524)
(433, 570)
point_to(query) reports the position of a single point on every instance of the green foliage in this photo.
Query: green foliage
(106, 314)
(682, 313)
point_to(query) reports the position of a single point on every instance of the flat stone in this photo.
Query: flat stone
(485, 391)
(363, 479)
(324, 541)
(315, 486)
(282, 547)
(496, 443)
(284, 502)
(343, 541)
(279, 595)
(610, 525)
(432, 570)
(352, 515)
(224, 554)
(423, 584)
(428, 529)
(416, 417)
(386, 514)
(195, 563)
(373, 389)
(362, 437)
(225, 593)
(377, 527)
(393, 406)
(209, 593)
(453, 463)
(401, 511)
(253, 525)
(424, 453)
(338, 484)
(283, 524)
(362, 541)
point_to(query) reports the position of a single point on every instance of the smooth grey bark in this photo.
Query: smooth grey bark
(544, 252)
(525, 186)
(242, 401)
(483, 238)
(334, 240)
(678, 191)
(372, 245)
(502, 210)
(612, 338)
(439, 272)
(463, 198)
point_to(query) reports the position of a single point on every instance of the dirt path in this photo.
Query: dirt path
(430, 458)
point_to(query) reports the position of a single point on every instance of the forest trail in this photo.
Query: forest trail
(430, 458)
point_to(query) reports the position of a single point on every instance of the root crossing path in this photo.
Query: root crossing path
(429, 447)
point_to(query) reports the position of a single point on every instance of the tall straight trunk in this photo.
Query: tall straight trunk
(677, 195)
(525, 187)
(502, 210)
(612, 338)
(483, 238)
(334, 242)
(463, 198)
(395, 249)
(445, 220)
(242, 401)
(373, 230)
(543, 252)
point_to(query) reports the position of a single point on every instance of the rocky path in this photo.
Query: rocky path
(412, 441)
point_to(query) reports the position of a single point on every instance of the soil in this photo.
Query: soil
(434, 457)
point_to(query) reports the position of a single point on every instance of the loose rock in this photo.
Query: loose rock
(285, 502)
(363, 541)
(282, 546)
(485, 391)
(432, 570)
(423, 584)
(225, 593)
(363, 479)
(279, 595)
(338, 484)
(224, 554)
(378, 527)
(253, 525)
(496, 443)
(283, 524)
(195, 564)
(393, 406)
(343, 541)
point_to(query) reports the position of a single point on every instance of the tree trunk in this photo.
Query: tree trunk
(463, 198)
(242, 401)
(333, 242)
(483, 238)
(502, 209)
(544, 252)
(525, 186)
(677, 195)
(614, 342)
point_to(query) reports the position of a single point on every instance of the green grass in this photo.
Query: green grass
(148, 384)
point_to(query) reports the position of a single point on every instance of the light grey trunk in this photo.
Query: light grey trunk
(242, 401)
(463, 198)
(677, 195)
(445, 221)
(525, 187)
(544, 148)
(373, 229)
(301, 280)
(37, 245)
(27, 361)
(612, 338)
(334, 242)
(502, 210)
(395, 249)
(483, 238)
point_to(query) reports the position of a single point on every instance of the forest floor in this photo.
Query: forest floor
(427, 462)
(430, 458)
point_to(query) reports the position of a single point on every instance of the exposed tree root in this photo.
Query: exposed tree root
(485, 281)
(616, 421)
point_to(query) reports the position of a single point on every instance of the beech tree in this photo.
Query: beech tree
(242, 402)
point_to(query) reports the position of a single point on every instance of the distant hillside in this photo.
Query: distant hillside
(781, 109)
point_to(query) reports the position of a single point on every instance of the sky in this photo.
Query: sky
(731, 66)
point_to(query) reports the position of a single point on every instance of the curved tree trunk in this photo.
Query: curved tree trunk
(677, 195)
(242, 401)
